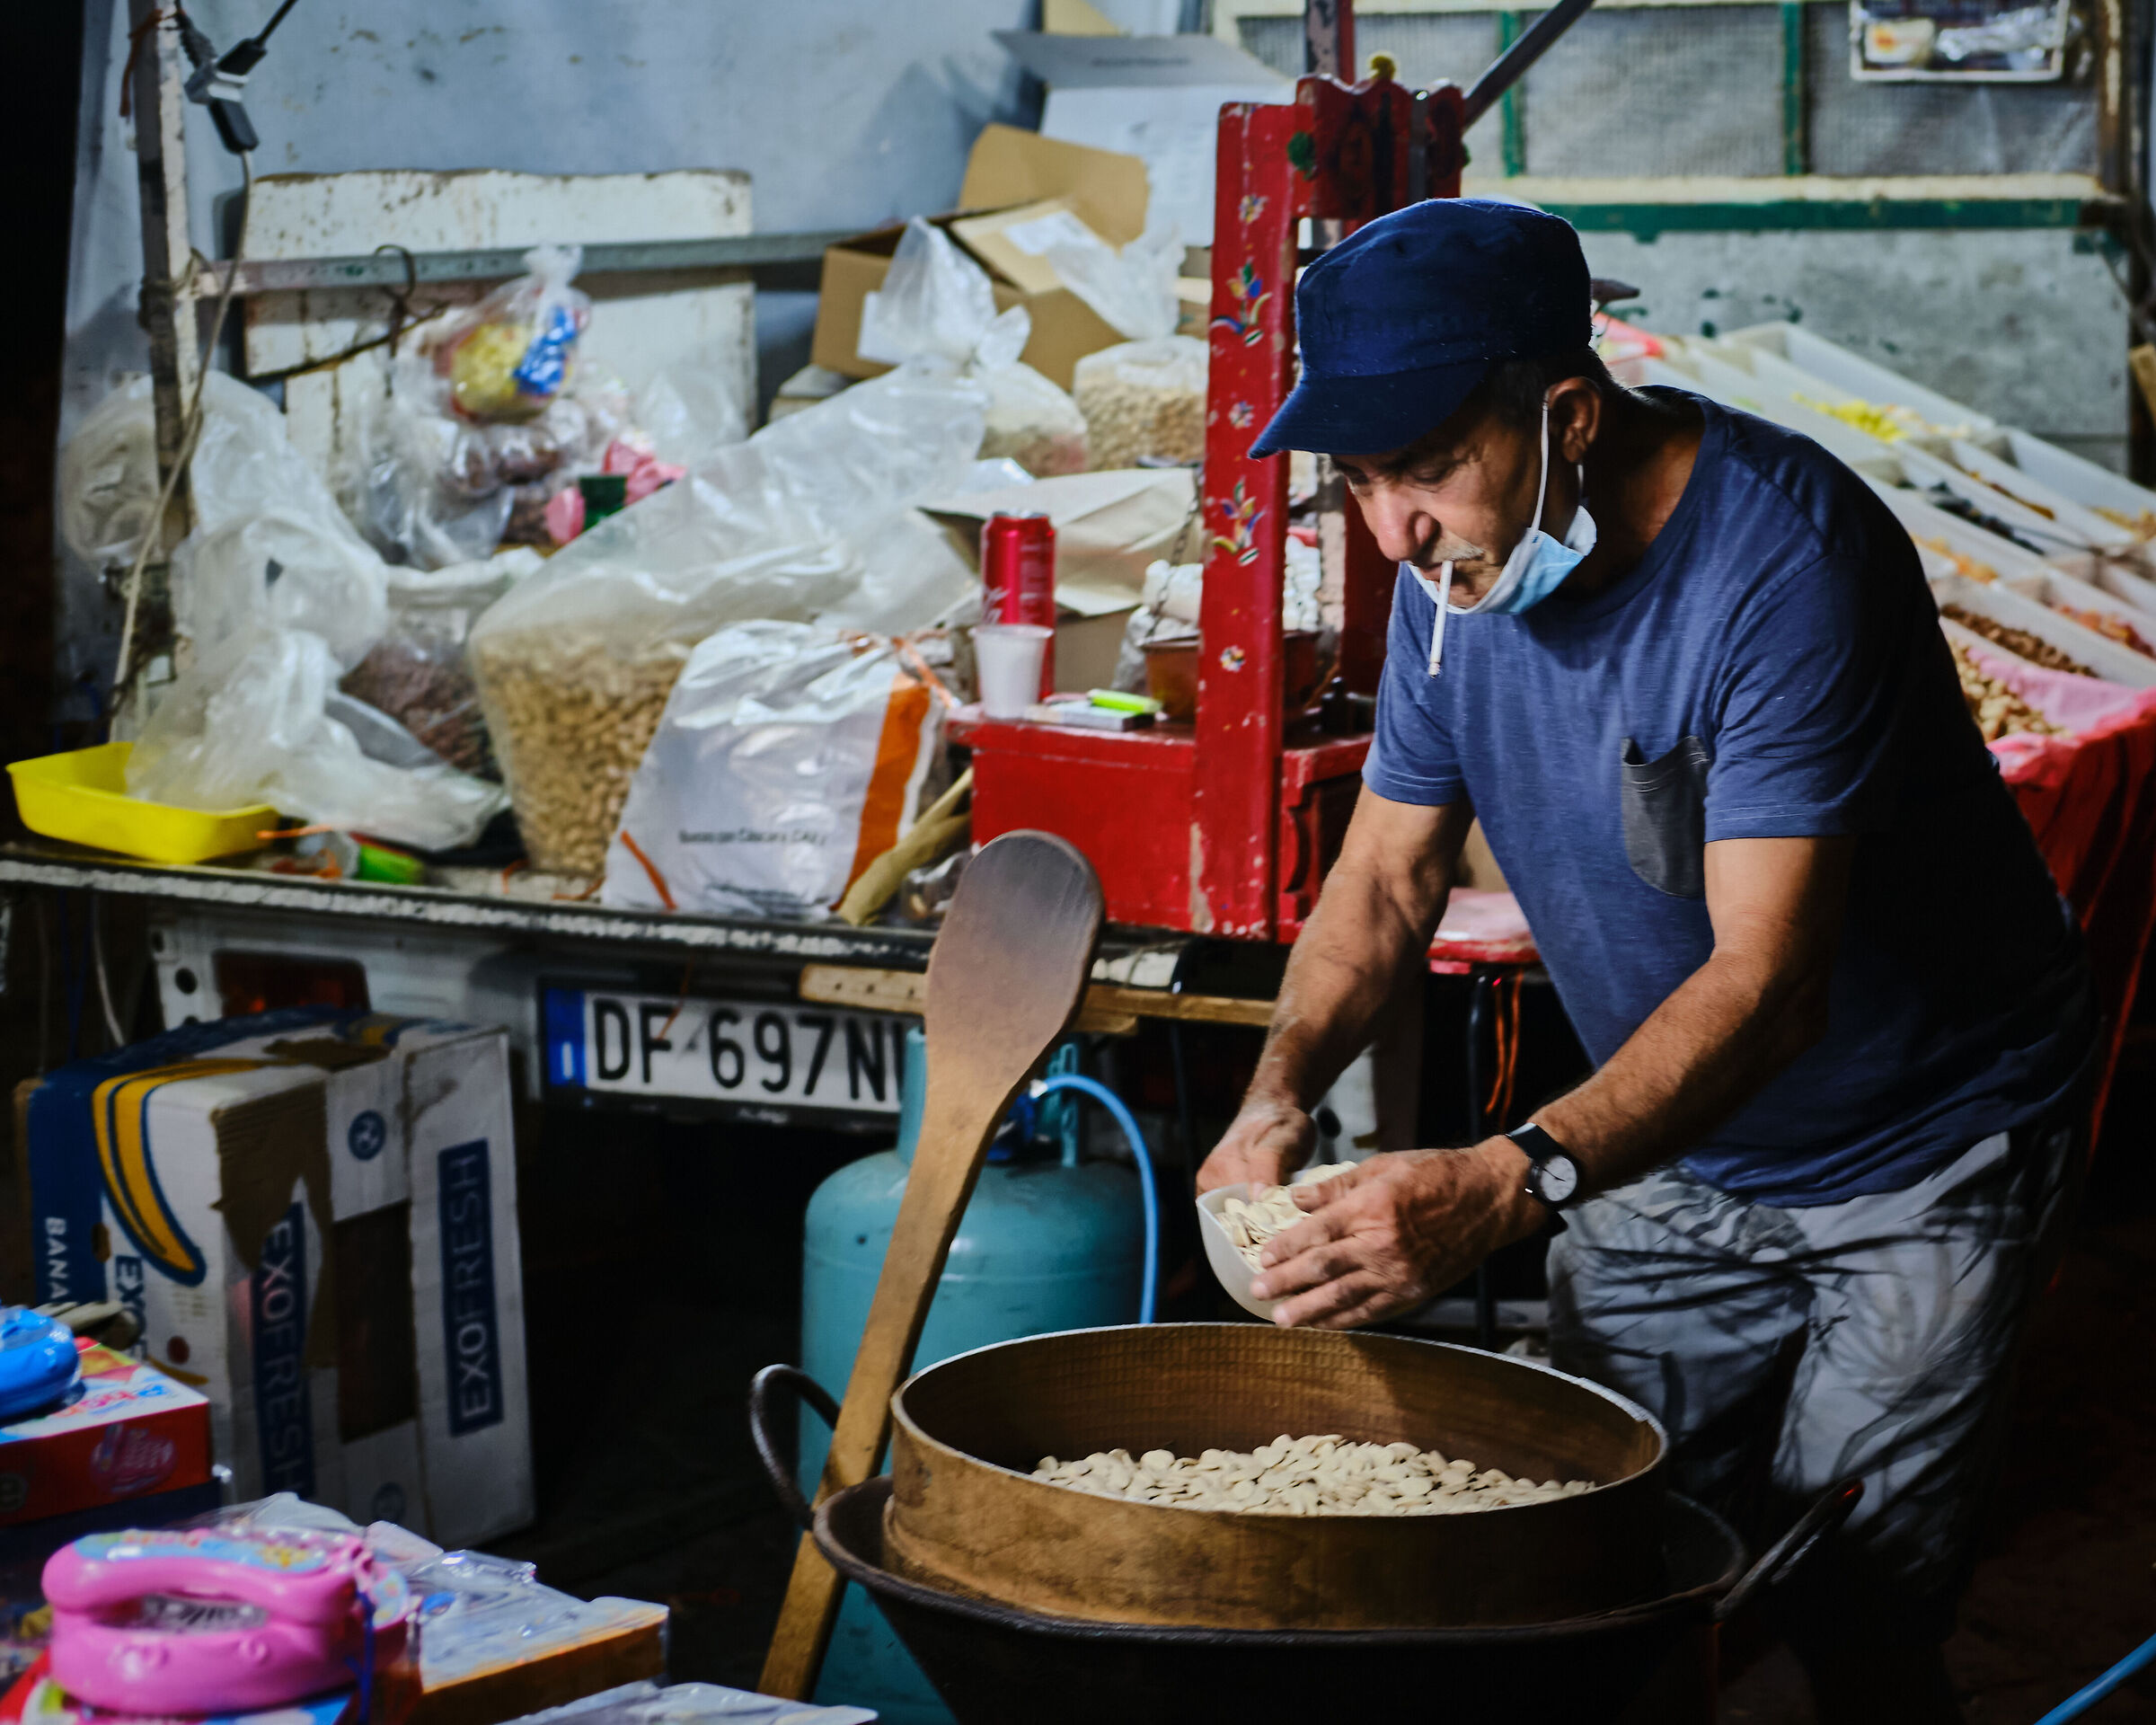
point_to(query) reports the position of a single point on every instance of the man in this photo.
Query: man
(1683, 665)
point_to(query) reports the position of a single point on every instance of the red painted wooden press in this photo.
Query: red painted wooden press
(1228, 825)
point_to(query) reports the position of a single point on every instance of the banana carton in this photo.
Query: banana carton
(313, 1213)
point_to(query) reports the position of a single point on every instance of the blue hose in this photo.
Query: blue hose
(2082, 1700)
(1113, 1103)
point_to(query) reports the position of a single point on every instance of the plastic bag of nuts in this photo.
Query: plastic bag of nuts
(417, 674)
(1143, 398)
(571, 719)
(807, 519)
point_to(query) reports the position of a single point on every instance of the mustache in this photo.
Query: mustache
(1467, 560)
(1448, 548)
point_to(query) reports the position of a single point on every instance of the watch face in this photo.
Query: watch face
(1557, 1179)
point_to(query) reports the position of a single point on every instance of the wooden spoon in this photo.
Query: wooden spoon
(1005, 978)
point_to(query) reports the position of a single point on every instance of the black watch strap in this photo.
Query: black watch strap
(1553, 1177)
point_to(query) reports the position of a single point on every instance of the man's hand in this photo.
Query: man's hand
(1396, 1232)
(1267, 1144)
(1268, 1141)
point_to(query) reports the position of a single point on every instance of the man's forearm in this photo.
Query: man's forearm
(1347, 965)
(1338, 980)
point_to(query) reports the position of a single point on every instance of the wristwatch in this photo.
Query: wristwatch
(1552, 1176)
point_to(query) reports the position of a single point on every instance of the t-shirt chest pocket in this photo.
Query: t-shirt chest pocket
(1663, 805)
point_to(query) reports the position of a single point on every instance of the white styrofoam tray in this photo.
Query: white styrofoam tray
(2051, 586)
(2076, 476)
(1999, 602)
(2095, 531)
(1926, 521)
(1853, 375)
(1691, 365)
(2108, 575)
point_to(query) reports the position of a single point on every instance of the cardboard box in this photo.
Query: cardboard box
(313, 1213)
(1009, 171)
(1155, 97)
(131, 1431)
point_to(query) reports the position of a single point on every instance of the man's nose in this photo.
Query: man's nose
(1399, 529)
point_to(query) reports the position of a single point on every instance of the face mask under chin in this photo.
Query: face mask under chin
(1538, 566)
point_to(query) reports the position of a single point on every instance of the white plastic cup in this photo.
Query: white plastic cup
(1007, 658)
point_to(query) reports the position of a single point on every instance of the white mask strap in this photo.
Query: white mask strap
(1542, 493)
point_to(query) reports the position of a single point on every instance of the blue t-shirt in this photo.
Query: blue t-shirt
(1772, 668)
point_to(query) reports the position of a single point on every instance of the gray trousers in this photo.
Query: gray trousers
(1784, 1349)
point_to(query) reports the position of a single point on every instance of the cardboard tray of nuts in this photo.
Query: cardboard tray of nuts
(967, 1515)
(2012, 610)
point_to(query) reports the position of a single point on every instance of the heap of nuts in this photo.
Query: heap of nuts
(570, 720)
(1997, 710)
(1144, 399)
(1271, 1210)
(2109, 624)
(427, 690)
(1304, 1476)
(2019, 643)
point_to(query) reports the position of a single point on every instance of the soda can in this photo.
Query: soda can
(1017, 576)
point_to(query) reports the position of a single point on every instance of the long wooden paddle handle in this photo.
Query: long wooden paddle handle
(947, 1160)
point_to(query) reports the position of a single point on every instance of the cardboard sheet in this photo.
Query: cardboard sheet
(1109, 526)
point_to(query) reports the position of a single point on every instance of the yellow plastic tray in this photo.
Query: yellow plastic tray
(81, 796)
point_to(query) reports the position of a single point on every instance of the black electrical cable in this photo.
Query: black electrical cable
(247, 53)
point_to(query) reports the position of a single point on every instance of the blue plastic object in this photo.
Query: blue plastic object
(1149, 1285)
(39, 1364)
(2082, 1700)
(1045, 1244)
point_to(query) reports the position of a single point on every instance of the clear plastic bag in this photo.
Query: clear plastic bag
(285, 567)
(435, 495)
(1144, 400)
(476, 1612)
(936, 303)
(511, 355)
(480, 1613)
(247, 723)
(243, 465)
(775, 775)
(689, 411)
(1132, 289)
(809, 517)
(693, 1704)
(417, 674)
(1032, 423)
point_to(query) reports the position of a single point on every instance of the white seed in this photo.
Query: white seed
(1273, 1211)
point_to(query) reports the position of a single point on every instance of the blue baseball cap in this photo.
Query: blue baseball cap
(1400, 319)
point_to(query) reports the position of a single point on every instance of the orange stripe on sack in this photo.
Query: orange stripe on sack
(897, 752)
(658, 880)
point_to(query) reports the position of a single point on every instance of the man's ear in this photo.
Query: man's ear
(1575, 418)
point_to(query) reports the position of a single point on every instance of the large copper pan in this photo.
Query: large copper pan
(965, 1515)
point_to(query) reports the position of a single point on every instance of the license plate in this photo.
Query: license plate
(758, 1053)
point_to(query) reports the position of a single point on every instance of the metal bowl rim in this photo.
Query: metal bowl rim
(901, 1416)
(879, 1581)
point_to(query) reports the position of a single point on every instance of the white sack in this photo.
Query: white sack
(768, 786)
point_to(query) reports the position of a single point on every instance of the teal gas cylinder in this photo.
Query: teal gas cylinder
(1047, 1244)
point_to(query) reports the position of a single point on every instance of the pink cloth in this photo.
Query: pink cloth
(2080, 704)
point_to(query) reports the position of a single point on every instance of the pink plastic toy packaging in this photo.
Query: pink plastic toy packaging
(199, 1621)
